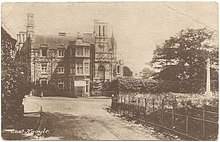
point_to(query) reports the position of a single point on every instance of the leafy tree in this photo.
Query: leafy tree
(147, 73)
(14, 82)
(127, 71)
(182, 59)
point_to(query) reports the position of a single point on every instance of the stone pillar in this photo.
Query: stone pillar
(30, 25)
(208, 82)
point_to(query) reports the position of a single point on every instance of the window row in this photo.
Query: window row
(78, 68)
(60, 52)
(80, 51)
(60, 85)
(44, 69)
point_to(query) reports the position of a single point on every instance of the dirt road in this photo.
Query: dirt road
(87, 119)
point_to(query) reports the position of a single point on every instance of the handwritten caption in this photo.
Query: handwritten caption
(31, 131)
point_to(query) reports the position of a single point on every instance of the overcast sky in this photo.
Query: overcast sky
(137, 27)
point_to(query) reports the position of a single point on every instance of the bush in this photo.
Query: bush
(130, 84)
(15, 84)
(14, 87)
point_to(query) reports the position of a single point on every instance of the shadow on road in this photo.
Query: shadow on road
(65, 127)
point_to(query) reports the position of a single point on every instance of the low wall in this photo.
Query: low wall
(37, 92)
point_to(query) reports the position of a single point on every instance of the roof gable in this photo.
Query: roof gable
(52, 41)
(56, 41)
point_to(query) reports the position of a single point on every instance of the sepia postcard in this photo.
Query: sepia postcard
(86, 71)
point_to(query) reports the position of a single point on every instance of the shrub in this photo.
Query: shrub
(14, 87)
(14, 82)
(130, 84)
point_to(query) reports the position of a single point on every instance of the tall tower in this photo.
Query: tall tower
(29, 36)
(30, 25)
(103, 55)
(101, 36)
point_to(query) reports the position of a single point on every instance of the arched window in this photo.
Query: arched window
(101, 72)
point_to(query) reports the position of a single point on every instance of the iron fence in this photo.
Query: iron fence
(197, 123)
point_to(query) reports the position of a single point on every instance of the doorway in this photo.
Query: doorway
(79, 91)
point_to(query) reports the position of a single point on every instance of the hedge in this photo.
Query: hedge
(130, 84)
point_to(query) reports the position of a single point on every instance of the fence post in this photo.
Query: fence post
(41, 110)
(129, 107)
(112, 104)
(203, 122)
(153, 108)
(138, 108)
(117, 102)
(132, 108)
(162, 112)
(173, 117)
(124, 107)
(121, 105)
(187, 121)
(145, 106)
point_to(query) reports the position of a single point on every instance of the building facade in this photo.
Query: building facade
(69, 65)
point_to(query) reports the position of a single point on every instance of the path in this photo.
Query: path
(87, 119)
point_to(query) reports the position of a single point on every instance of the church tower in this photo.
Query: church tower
(30, 25)
(104, 55)
(101, 35)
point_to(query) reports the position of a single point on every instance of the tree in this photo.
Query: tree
(14, 82)
(182, 59)
(147, 73)
(127, 71)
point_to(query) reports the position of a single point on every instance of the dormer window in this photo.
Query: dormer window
(118, 69)
(44, 48)
(44, 52)
(61, 70)
(79, 51)
(87, 52)
(44, 68)
(60, 52)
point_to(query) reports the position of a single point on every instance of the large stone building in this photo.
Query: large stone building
(70, 65)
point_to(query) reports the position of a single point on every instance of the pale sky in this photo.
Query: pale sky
(137, 27)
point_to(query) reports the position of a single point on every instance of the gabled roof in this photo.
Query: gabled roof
(53, 41)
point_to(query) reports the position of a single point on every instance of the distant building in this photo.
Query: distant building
(74, 65)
